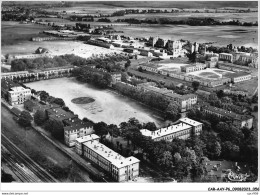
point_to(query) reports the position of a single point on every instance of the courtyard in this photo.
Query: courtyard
(210, 73)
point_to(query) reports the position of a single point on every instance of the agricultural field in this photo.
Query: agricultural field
(244, 17)
(237, 35)
(13, 32)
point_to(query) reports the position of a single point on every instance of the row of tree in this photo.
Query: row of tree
(89, 75)
(189, 21)
(158, 101)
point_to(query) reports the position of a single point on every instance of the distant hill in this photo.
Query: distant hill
(152, 4)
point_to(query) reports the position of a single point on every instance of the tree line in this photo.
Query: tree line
(189, 21)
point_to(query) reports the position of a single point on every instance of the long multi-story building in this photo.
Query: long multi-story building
(100, 43)
(233, 67)
(79, 142)
(14, 93)
(239, 76)
(193, 67)
(75, 128)
(237, 119)
(226, 57)
(182, 130)
(121, 169)
(185, 102)
(48, 72)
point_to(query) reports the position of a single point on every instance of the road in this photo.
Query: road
(24, 167)
(41, 151)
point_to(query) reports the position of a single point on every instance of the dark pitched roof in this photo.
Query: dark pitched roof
(76, 124)
(60, 114)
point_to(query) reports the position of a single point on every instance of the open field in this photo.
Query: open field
(58, 48)
(110, 107)
(210, 73)
(237, 35)
(13, 32)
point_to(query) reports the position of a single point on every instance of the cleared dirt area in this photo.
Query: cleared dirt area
(58, 48)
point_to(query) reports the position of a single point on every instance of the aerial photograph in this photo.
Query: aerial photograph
(129, 91)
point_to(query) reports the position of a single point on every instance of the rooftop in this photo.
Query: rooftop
(60, 114)
(75, 123)
(226, 54)
(110, 155)
(228, 114)
(165, 131)
(87, 138)
(190, 122)
(156, 89)
(17, 89)
(13, 73)
(193, 65)
(38, 105)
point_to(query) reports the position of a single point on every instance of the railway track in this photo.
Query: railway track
(21, 162)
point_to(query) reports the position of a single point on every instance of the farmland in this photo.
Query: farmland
(13, 32)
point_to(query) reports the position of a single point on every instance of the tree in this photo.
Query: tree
(217, 149)
(100, 129)
(195, 85)
(191, 56)
(229, 150)
(124, 77)
(127, 64)
(172, 111)
(220, 94)
(33, 91)
(113, 130)
(44, 95)
(165, 160)
(134, 122)
(40, 117)
(150, 126)
(25, 119)
(197, 171)
(255, 108)
(59, 101)
(56, 128)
